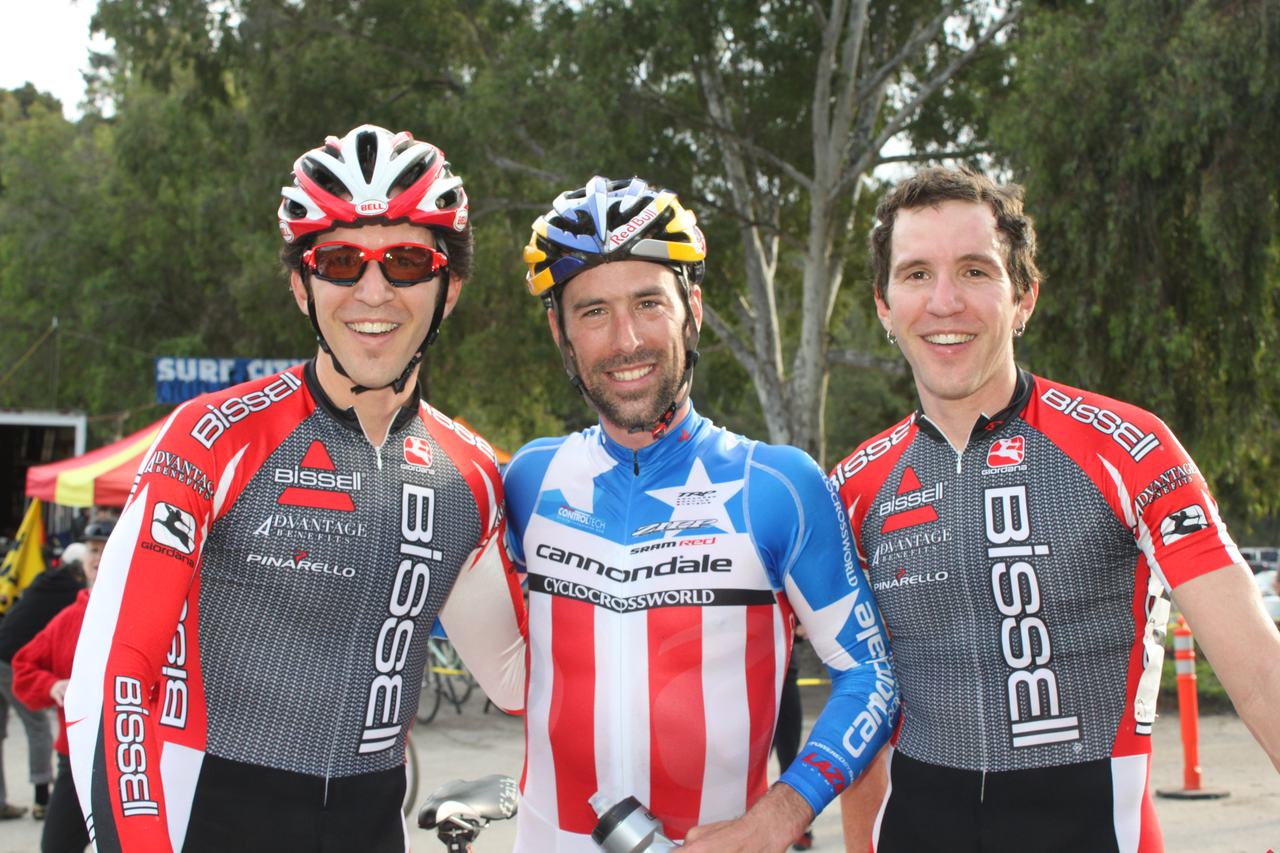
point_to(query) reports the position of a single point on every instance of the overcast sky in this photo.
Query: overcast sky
(46, 42)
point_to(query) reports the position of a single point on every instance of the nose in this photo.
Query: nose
(626, 336)
(372, 288)
(945, 298)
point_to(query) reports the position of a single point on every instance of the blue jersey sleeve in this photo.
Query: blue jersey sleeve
(812, 555)
(521, 482)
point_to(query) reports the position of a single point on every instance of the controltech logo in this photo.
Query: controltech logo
(383, 728)
(315, 483)
(913, 504)
(1005, 452)
(417, 451)
(1035, 707)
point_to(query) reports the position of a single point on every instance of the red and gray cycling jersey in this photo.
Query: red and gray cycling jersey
(1024, 581)
(267, 596)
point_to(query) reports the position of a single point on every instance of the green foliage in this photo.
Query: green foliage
(1145, 134)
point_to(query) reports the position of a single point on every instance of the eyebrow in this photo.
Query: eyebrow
(644, 293)
(978, 257)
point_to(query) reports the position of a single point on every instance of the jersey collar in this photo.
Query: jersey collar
(347, 417)
(679, 438)
(985, 425)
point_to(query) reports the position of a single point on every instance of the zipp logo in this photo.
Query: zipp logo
(315, 483)
(1007, 451)
(913, 504)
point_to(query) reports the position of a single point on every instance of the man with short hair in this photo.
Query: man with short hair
(252, 654)
(1023, 538)
(667, 561)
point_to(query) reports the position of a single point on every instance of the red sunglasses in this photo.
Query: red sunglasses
(403, 264)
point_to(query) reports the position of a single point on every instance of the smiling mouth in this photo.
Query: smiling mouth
(949, 338)
(631, 374)
(369, 328)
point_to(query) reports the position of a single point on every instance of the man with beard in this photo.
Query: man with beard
(667, 560)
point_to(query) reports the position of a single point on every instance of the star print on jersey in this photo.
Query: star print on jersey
(699, 499)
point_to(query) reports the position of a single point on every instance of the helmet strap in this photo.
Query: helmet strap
(398, 384)
(552, 301)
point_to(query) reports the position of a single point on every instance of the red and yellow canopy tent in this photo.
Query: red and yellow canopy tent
(100, 477)
(103, 477)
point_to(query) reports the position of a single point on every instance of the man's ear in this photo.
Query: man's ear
(299, 290)
(451, 296)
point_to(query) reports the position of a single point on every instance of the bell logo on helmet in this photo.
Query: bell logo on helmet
(372, 207)
(460, 219)
(286, 232)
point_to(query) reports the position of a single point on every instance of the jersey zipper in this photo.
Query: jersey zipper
(635, 462)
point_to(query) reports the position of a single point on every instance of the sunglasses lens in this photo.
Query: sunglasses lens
(408, 263)
(338, 263)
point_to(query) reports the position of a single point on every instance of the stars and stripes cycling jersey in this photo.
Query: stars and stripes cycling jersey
(258, 629)
(1024, 581)
(663, 584)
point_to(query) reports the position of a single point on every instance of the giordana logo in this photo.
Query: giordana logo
(173, 527)
(1182, 523)
(371, 207)
(417, 451)
(912, 505)
(1007, 451)
(316, 484)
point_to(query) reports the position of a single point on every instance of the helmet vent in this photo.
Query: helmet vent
(328, 181)
(367, 154)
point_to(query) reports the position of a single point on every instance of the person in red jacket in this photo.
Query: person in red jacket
(41, 671)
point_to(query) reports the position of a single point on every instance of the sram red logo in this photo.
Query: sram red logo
(417, 451)
(1007, 451)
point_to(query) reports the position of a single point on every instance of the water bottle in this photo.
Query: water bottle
(627, 827)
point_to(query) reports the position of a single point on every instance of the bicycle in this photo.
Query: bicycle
(461, 809)
(445, 678)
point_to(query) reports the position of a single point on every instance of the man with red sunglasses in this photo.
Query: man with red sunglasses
(251, 657)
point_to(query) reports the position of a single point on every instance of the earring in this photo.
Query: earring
(890, 337)
(1018, 332)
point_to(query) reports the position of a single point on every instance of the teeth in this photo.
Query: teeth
(636, 373)
(949, 338)
(373, 328)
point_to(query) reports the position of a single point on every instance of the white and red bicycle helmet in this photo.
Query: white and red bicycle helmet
(371, 174)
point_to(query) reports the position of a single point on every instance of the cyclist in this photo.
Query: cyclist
(667, 559)
(251, 654)
(1022, 538)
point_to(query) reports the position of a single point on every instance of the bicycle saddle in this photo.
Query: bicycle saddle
(470, 800)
